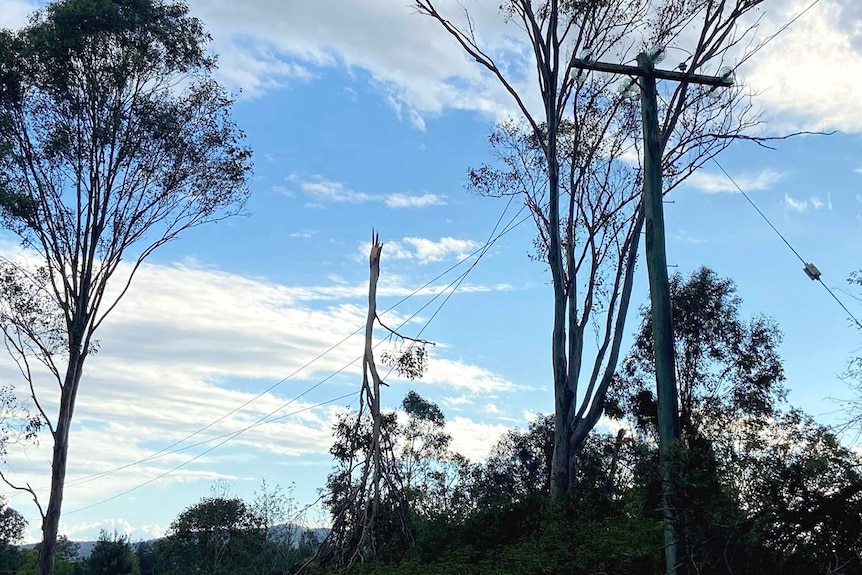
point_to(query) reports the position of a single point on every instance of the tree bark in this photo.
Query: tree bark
(374, 263)
(59, 458)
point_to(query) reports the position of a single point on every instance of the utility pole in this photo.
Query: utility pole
(662, 318)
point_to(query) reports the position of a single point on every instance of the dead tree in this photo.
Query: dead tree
(366, 493)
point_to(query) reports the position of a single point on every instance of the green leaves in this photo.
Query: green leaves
(113, 555)
(726, 367)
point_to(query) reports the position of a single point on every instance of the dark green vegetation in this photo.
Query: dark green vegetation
(761, 487)
(219, 535)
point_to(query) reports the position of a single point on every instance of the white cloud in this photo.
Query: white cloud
(806, 78)
(320, 188)
(426, 74)
(426, 251)
(323, 189)
(803, 205)
(471, 378)
(189, 347)
(430, 251)
(472, 439)
(120, 526)
(717, 182)
(613, 426)
(407, 201)
(14, 13)
(684, 236)
(457, 402)
(809, 76)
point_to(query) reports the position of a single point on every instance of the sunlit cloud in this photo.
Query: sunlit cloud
(717, 182)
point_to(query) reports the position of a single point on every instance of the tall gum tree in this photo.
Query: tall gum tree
(114, 139)
(576, 161)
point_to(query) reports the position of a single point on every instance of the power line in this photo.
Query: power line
(762, 215)
(492, 239)
(196, 457)
(170, 449)
(456, 283)
(809, 268)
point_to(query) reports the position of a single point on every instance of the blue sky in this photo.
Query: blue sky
(362, 115)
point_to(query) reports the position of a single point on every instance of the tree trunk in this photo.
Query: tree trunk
(374, 264)
(51, 520)
(563, 396)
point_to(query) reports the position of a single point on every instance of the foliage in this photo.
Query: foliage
(225, 535)
(216, 536)
(519, 464)
(66, 560)
(408, 360)
(727, 368)
(114, 139)
(801, 490)
(12, 524)
(419, 479)
(761, 490)
(853, 372)
(569, 161)
(113, 555)
(17, 424)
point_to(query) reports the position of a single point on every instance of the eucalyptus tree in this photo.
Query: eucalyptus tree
(114, 139)
(575, 159)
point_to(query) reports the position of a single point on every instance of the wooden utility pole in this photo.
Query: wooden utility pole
(662, 318)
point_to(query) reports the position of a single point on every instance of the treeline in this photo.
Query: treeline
(761, 487)
(220, 534)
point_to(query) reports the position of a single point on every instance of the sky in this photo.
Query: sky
(364, 115)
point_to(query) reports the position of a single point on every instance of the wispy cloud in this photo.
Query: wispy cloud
(802, 205)
(717, 182)
(474, 439)
(803, 78)
(321, 189)
(15, 13)
(425, 250)
(684, 236)
(407, 201)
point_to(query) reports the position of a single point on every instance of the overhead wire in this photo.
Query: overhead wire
(451, 288)
(196, 457)
(170, 449)
(817, 277)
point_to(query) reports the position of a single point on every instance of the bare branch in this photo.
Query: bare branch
(26, 489)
